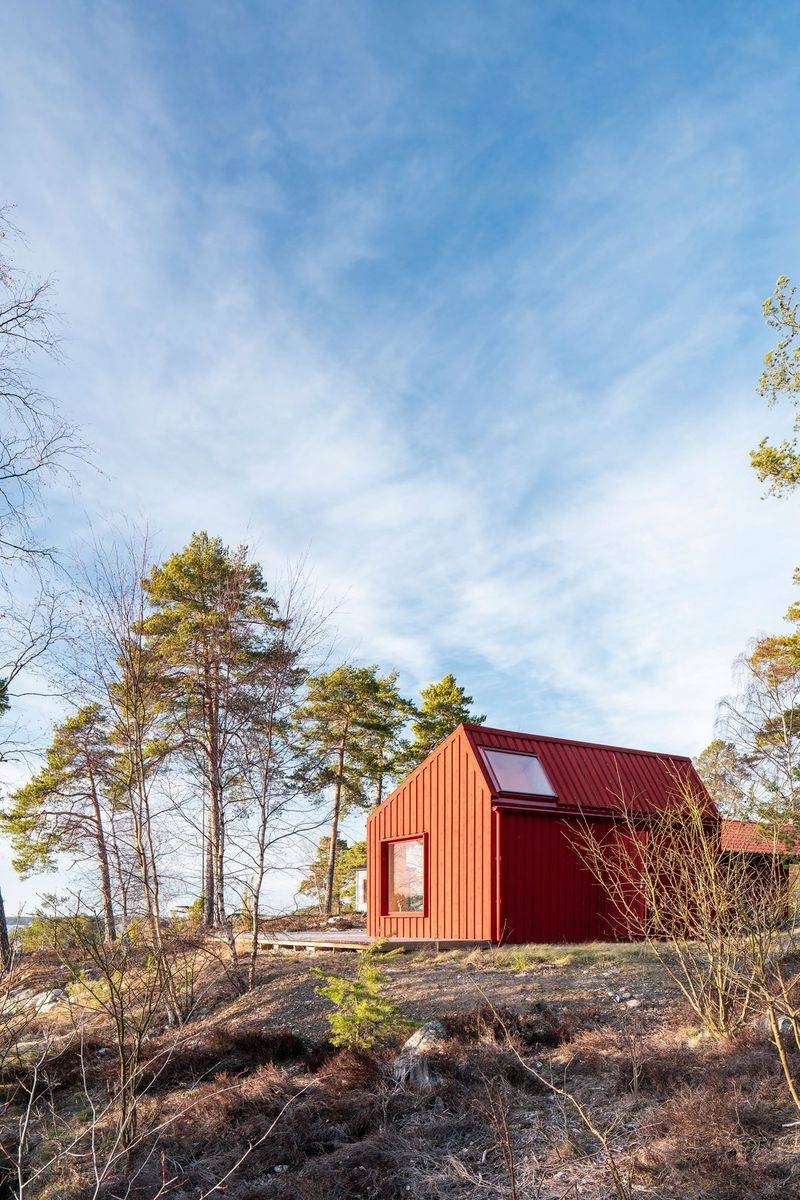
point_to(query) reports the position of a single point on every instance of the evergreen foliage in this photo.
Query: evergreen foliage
(55, 811)
(61, 809)
(348, 857)
(363, 1015)
(212, 630)
(444, 707)
(347, 714)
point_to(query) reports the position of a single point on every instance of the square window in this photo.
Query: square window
(405, 875)
(520, 773)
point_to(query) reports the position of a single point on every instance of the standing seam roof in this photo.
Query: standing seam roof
(586, 775)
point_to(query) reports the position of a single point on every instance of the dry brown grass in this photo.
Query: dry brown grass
(692, 1118)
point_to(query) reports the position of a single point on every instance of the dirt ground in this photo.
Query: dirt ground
(431, 986)
(562, 1073)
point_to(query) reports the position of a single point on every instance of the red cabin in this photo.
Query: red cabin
(476, 845)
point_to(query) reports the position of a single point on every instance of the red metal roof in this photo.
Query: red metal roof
(748, 837)
(590, 776)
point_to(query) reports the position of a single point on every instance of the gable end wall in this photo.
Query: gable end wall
(447, 800)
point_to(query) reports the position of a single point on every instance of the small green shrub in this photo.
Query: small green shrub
(89, 992)
(49, 932)
(192, 917)
(363, 1016)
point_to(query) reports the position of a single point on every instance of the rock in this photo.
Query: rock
(784, 1025)
(633, 1003)
(428, 1037)
(46, 1001)
(411, 1066)
(21, 997)
(40, 1001)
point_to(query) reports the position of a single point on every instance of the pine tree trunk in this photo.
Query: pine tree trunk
(5, 945)
(109, 919)
(219, 874)
(122, 883)
(208, 864)
(215, 902)
(102, 863)
(337, 804)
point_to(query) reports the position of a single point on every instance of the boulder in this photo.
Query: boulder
(46, 1001)
(40, 1001)
(411, 1066)
(784, 1026)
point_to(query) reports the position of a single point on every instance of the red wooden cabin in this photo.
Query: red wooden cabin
(476, 844)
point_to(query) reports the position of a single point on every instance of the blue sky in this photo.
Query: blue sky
(461, 299)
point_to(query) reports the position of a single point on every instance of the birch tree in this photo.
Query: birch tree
(779, 466)
(270, 781)
(116, 664)
(37, 448)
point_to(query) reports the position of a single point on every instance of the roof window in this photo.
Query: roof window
(520, 773)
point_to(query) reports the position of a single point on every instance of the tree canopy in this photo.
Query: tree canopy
(779, 466)
(444, 706)
(60, 810)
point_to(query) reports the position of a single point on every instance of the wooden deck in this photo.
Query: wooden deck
(310, 941)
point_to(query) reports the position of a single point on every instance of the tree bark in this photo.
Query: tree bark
(102, 863)
(122, 882)
(332, 850)
(219, 872)
(208, 862)
(214, 907)
(5, 945)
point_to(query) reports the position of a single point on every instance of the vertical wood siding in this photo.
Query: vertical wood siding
(546, 893)
(495, 871)
(446, 799)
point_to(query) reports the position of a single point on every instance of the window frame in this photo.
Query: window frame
(386, 843)
(546, 797)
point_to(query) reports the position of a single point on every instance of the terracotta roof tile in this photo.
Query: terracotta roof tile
(747, 837)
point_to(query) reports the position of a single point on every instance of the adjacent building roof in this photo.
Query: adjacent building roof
(748, 837)
(589, 776)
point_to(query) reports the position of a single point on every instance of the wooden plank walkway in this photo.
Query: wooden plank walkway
(310, 941)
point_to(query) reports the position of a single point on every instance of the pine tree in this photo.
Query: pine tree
(211, 629)
(346, 712)
(363, 1015)
(444, 707)
(61, 809)
(354, 856)
(314, 883)
(386, 747)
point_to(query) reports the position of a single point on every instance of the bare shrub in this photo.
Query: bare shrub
(664, 875)
(538, 1026)
(710, 1138)
(221, 1048)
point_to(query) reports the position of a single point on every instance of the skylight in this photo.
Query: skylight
(520, 773)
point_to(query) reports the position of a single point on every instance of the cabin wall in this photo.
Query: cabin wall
(546, 894)
(445, 800)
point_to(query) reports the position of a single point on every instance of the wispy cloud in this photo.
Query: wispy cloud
(438, 301)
